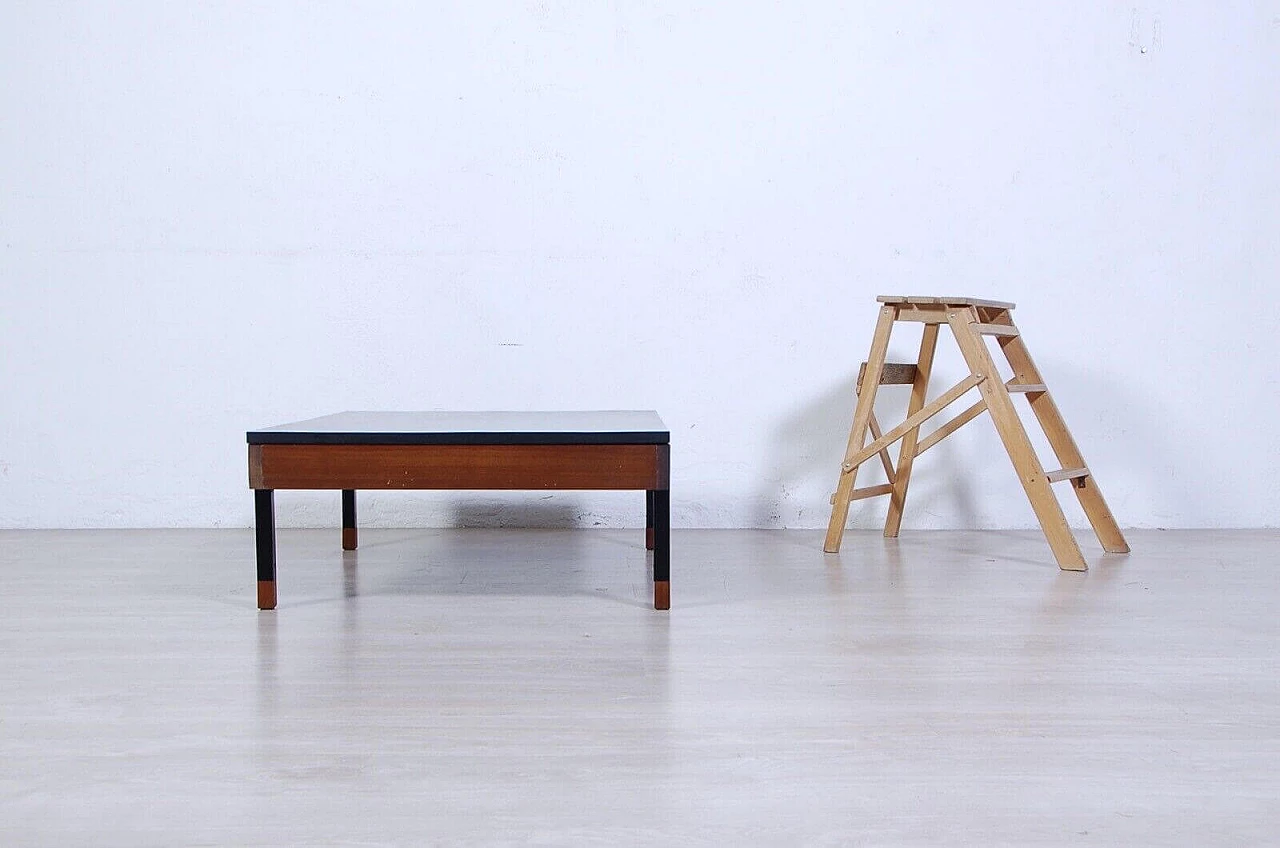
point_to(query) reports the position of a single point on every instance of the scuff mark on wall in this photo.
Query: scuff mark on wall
(1144, 31)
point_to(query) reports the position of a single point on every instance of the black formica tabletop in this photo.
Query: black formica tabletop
(607, 427)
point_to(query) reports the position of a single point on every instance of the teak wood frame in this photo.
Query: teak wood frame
(349, 467)
(970, 319)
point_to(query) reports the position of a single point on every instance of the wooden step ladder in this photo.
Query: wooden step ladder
(970, 319)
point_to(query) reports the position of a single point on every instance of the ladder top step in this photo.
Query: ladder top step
(897, 299)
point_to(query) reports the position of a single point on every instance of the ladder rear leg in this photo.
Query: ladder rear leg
(861, 422)
(907, 449)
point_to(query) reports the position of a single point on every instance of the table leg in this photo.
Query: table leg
(348, 520)
(265, 528)
(661, 549)
(648, 520)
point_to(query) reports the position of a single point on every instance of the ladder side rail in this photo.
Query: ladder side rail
(1014, 436)
(861, 423)
(907, 450)
(1064, 446)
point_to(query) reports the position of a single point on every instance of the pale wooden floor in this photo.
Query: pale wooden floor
(514, 687)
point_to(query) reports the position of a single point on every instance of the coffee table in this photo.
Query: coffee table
(463, 450)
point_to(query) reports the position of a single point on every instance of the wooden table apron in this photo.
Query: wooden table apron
(459, 466)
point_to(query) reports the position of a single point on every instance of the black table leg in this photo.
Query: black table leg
(648, 520)
(265, 523)
(348, 520)
(661, 549)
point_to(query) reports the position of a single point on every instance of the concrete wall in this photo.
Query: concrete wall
(220, 216)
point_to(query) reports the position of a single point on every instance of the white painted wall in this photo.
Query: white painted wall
(219, 216)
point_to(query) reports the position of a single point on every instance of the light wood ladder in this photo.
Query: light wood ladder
(970, 319)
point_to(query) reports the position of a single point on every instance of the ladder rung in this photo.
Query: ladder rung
(1067, 474)
(995, 329)
(894, 374)
(1027, 388)
(868, 492)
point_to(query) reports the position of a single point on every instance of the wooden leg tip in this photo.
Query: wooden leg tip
(266, 594)
(349, 538)
(662, 594)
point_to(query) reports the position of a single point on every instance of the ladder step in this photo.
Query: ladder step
(1067, 474)
(1027, 388)
(994, 329)
(894, 374)
(868, 492)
